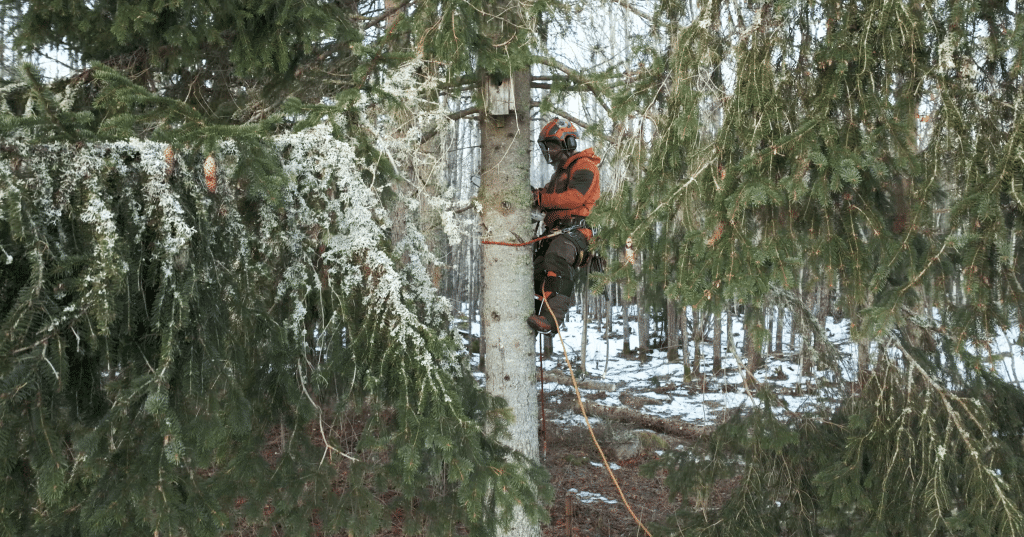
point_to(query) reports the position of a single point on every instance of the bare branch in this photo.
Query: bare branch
(577, 121)
(575, 76)
(385, 14)
(629, 7)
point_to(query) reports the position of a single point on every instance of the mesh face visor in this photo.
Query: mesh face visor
(559, 131)
(544, 151)
(568, 145)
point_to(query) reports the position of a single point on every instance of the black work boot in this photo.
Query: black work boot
(545, 322)
(541, 324)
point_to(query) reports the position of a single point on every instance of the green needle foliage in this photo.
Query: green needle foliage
(221, 57)
(247, 349)
(205, 326)
(870, 150)
(189, 361)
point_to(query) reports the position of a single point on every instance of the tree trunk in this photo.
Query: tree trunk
(695, 335)
(684, 350)
(642, 317)
(507, 293)
(609, 326)
(671, 426)
(626, 330)
(699, 319)
(671, 331)
(643, 326)
(778, 330)
(605, 302)
(753, 329)
(716, 353)
(585, 314)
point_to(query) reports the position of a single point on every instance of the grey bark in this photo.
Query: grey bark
(716, 357)
(507, 292)
(585, 313)
(642, 316)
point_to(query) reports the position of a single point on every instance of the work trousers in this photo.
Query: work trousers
(554, 274)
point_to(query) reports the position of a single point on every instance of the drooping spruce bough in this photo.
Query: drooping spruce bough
(860, 160)
(191, 357)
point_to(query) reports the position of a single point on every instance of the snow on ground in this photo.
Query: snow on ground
(667, 393)
(663, 390)
(591, 497)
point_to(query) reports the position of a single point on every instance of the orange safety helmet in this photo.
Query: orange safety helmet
(561, 131)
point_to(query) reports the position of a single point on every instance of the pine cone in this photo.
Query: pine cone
(210, 172)
(169, 159)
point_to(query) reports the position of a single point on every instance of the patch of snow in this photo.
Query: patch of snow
(591, 497)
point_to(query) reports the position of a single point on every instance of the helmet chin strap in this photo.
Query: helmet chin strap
(547, 155)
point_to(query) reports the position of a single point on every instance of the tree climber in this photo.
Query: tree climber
(566, 201)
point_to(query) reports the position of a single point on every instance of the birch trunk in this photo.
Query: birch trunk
(684, 334)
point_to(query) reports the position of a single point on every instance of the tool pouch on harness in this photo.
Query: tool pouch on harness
(592, 261)
(586, 259)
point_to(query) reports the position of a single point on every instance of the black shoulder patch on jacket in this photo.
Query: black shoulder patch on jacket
(581, 180)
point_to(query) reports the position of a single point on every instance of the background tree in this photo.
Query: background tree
(507, 279)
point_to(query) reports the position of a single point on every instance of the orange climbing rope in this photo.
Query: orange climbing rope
(527, 243)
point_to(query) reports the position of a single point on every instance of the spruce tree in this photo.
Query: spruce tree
(868, 147)
(205, 326)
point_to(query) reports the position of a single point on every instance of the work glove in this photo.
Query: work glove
(536, 196)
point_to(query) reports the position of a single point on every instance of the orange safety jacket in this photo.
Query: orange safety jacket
(572, 191)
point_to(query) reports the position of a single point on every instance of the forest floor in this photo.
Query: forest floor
(638, 410)
(587, 501)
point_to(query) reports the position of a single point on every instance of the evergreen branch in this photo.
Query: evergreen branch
(671, 198)
(913, 281)
(998, 485)
(385, 14)
(575, 76)
(186, 252)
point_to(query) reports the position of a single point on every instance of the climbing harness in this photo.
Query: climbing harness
(558, 231)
